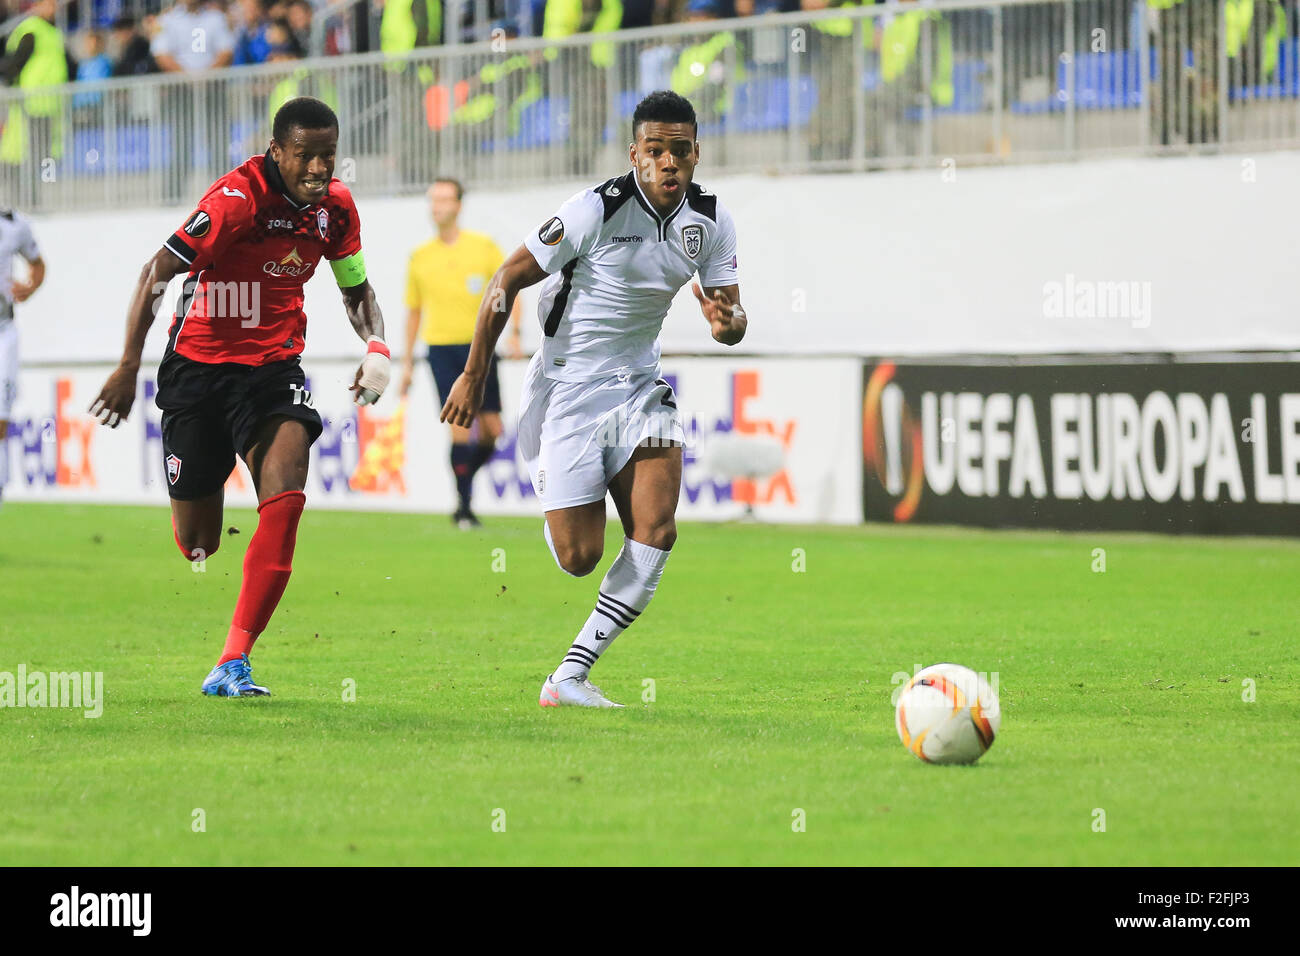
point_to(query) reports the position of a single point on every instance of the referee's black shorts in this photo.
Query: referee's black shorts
(211, 412)
(448, 361)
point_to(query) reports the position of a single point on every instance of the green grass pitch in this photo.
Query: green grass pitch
(1121, 691)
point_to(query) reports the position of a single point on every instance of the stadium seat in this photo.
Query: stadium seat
(763, 103)
(1108, 81)
(1102, 81)
(89, 157)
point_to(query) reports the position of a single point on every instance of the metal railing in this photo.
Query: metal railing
(854, 89)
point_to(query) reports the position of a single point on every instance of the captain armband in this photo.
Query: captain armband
(350, 271)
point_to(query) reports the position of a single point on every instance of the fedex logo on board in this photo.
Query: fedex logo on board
(55, 450)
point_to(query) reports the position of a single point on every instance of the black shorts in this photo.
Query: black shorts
(448, 361)
(212, 412)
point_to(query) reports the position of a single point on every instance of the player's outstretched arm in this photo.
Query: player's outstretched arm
(117, 396)
(518, 272)
(375, 370)
(723, 310)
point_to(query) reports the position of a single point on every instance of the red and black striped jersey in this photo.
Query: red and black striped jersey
(250, 248)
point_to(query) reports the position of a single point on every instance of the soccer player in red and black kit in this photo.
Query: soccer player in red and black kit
(231, 382)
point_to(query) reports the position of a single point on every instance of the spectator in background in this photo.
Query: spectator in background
(299, 22)
(830, 63)
(768, 51)
(95, 65)
(35, 59)
(581, 73)
(283, 44)
(196, 108)
(130, 49)
(756, 8)
(708, 71)
(408, 25)
(175, 48)
(285, 50)
(638, 13)
(250, 26)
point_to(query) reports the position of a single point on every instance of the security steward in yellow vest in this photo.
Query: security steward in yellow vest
(578, 73)
(700, 73)
(830, 61)
(35, 61)
(900, 41)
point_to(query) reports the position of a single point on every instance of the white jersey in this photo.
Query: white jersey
(615, 267)
(16, 239)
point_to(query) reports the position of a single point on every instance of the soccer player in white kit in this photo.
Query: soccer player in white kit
(16, 239)
(596, 416)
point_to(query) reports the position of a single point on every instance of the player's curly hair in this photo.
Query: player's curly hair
(306, 112)
(664, 106)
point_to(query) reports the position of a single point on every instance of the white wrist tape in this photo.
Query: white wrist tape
(376, 371)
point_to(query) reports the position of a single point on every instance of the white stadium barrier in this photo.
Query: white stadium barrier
(998, 261)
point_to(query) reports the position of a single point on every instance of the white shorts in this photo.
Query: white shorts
(576, 436)
(8, 368)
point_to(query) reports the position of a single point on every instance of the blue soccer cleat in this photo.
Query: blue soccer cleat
(233, 679)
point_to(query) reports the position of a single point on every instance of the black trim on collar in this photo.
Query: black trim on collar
(276, 182)
(669, 218)
(706, 204)
(661, 223)
(615, 192)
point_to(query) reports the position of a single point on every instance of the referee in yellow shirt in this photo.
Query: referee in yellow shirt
(444, 286)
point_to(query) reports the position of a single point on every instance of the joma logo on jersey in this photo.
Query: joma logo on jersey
(290, 265)
(301, 396)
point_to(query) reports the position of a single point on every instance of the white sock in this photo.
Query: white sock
(550, 543)
(628, 587)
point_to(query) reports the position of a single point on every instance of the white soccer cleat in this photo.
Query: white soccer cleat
(573, 693)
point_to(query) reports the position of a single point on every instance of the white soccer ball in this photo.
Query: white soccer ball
(947, 714)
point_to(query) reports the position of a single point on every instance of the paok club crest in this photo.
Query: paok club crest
(692, 239)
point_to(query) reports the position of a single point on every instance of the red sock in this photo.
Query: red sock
(266, 571)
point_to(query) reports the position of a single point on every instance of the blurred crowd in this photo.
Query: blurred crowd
(111, 42)
(115, 38)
